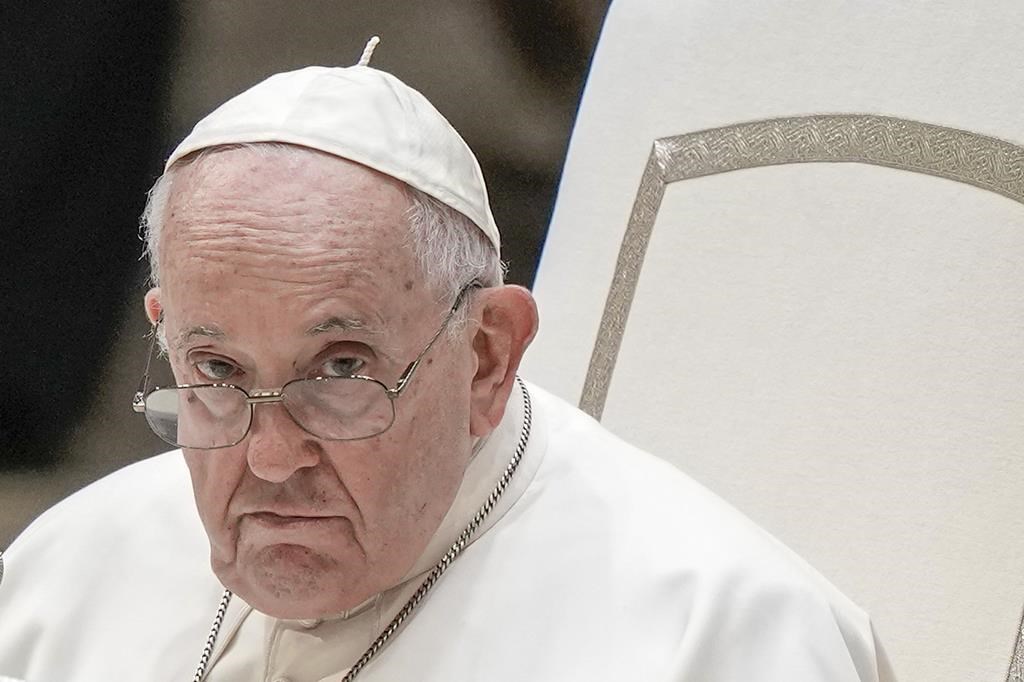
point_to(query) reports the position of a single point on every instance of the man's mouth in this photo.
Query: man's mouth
(275, 521)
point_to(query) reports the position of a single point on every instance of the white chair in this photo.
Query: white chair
(788, 256)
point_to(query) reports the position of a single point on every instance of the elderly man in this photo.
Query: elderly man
(381, 496)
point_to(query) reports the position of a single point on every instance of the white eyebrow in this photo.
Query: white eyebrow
(346, 324)
(199, 330)
(384, 344)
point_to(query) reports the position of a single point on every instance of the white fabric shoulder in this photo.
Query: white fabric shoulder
(669, 541)
(111, 583)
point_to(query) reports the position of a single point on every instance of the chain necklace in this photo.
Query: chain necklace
(428, 583)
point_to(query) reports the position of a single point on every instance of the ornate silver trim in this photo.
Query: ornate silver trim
(1016, 671)
(986, 162)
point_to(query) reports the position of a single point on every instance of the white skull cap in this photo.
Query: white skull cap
(361, 114)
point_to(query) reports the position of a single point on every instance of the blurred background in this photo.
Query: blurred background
(96, 96)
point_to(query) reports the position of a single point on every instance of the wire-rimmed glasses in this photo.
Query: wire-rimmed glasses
(218, 415)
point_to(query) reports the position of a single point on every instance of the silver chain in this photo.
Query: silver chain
(428, 583)
(211, 639)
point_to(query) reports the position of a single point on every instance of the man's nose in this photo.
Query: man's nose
(277, 446)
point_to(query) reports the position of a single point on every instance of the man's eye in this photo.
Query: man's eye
(215, 370)
(342, 367)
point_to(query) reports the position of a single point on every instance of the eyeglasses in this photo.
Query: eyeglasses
(210, 416)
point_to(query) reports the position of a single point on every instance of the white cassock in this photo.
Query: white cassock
(600, 562)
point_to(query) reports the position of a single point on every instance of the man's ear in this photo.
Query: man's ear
(507, 323)
(153, 307)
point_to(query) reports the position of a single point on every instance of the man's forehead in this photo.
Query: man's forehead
(240, 170)
(296, 198)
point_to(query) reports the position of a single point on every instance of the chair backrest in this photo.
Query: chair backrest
(788, 256)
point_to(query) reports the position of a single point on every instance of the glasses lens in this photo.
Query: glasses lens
(342, 408)
(201, 417)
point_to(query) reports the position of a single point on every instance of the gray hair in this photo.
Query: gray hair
(450, 249)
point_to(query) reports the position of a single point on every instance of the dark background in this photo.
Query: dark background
(97, 94)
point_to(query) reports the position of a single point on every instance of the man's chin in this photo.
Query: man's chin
(293, 581)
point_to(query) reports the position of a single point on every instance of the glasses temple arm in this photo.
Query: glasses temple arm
(407, 374)
(144, 381)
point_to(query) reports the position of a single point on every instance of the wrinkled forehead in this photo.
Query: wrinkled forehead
(283, 194)
(279, 172)
(299, 233)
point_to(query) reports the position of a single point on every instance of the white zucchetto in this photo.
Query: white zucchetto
(361, 114)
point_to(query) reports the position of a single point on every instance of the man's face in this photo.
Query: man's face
(298, 265)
